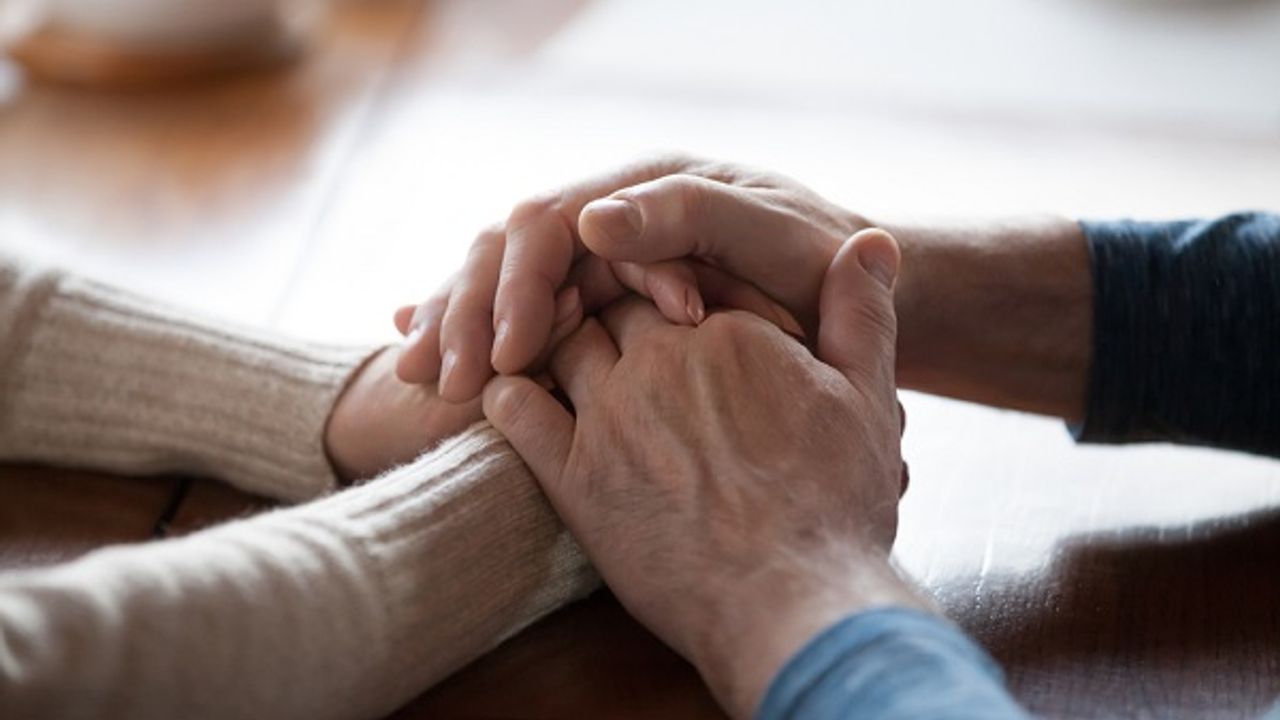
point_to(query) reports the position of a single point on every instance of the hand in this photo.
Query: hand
(379, 421)
(764, 229)
(737, 494)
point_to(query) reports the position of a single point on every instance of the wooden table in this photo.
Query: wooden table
(1109, 582)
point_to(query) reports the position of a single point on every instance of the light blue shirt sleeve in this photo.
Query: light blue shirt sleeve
(890, 663)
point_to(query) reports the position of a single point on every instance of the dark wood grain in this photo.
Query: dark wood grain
(588, 660)
(1160, 622)
(1168, 622)
(50, 515)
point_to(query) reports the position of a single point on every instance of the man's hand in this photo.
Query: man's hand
(736, 493)
(759, 238)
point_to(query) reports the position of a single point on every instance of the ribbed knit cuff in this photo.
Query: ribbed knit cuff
(106, 379)
(469, 549)
(1186, 332)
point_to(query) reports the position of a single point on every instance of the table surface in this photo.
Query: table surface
(1110, 582)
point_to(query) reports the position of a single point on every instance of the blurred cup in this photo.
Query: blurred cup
(131, 42)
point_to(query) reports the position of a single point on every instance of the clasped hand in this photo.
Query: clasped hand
(736, 489)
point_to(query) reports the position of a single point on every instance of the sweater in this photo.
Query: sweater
(344, 606)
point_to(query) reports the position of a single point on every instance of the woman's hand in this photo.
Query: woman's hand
(379, 421)
(760, 242)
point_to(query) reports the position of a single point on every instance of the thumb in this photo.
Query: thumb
(736, 229)
(858, 326)
(536, 425)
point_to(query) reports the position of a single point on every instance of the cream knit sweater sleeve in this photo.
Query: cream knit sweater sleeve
(97, 377)
(344, 607)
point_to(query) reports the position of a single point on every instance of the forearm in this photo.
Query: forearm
(998, 313)
(97, 377)
(341, 608)
(1137, 331)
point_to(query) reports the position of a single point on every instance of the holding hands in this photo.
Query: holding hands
(752, 500)
(686, 233)
(736, 489)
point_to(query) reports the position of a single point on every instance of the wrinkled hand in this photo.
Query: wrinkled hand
(736, 493)
(757, 238)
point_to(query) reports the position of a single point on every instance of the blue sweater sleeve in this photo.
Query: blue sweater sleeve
(1186, 332)
(885, 664)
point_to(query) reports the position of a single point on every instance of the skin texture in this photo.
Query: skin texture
(646, 220)
(379, 421)
(742, 508)
(737, 493)
(997, 312)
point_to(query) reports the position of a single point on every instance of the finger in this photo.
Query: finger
(540, 430)
(858, 326)
(629, 321)
(542, 241)
(731, 227)
(569, 315)
(466, 330)
(583, 362)
(723, 290)
(540, 249)
(598, 283)
(711, 287)
(419, 360)
(672, 285)
(403, 315)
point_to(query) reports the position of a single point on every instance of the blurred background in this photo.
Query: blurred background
(310, 166)
(350, 173)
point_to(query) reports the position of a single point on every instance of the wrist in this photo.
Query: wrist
(765, 622)
(999, 313)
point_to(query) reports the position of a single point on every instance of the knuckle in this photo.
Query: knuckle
(511, 404)
(465, 295)
(728, 328)
(537, 206)
(668, 162)
(489, 240)
(691, 197)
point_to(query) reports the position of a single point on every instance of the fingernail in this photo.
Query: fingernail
(877, 260)
(693, 306)
(500, 334)
(446, 369)
(620, 220)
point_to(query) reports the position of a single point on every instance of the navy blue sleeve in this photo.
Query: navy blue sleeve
(1186, 333)
(889, 664)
